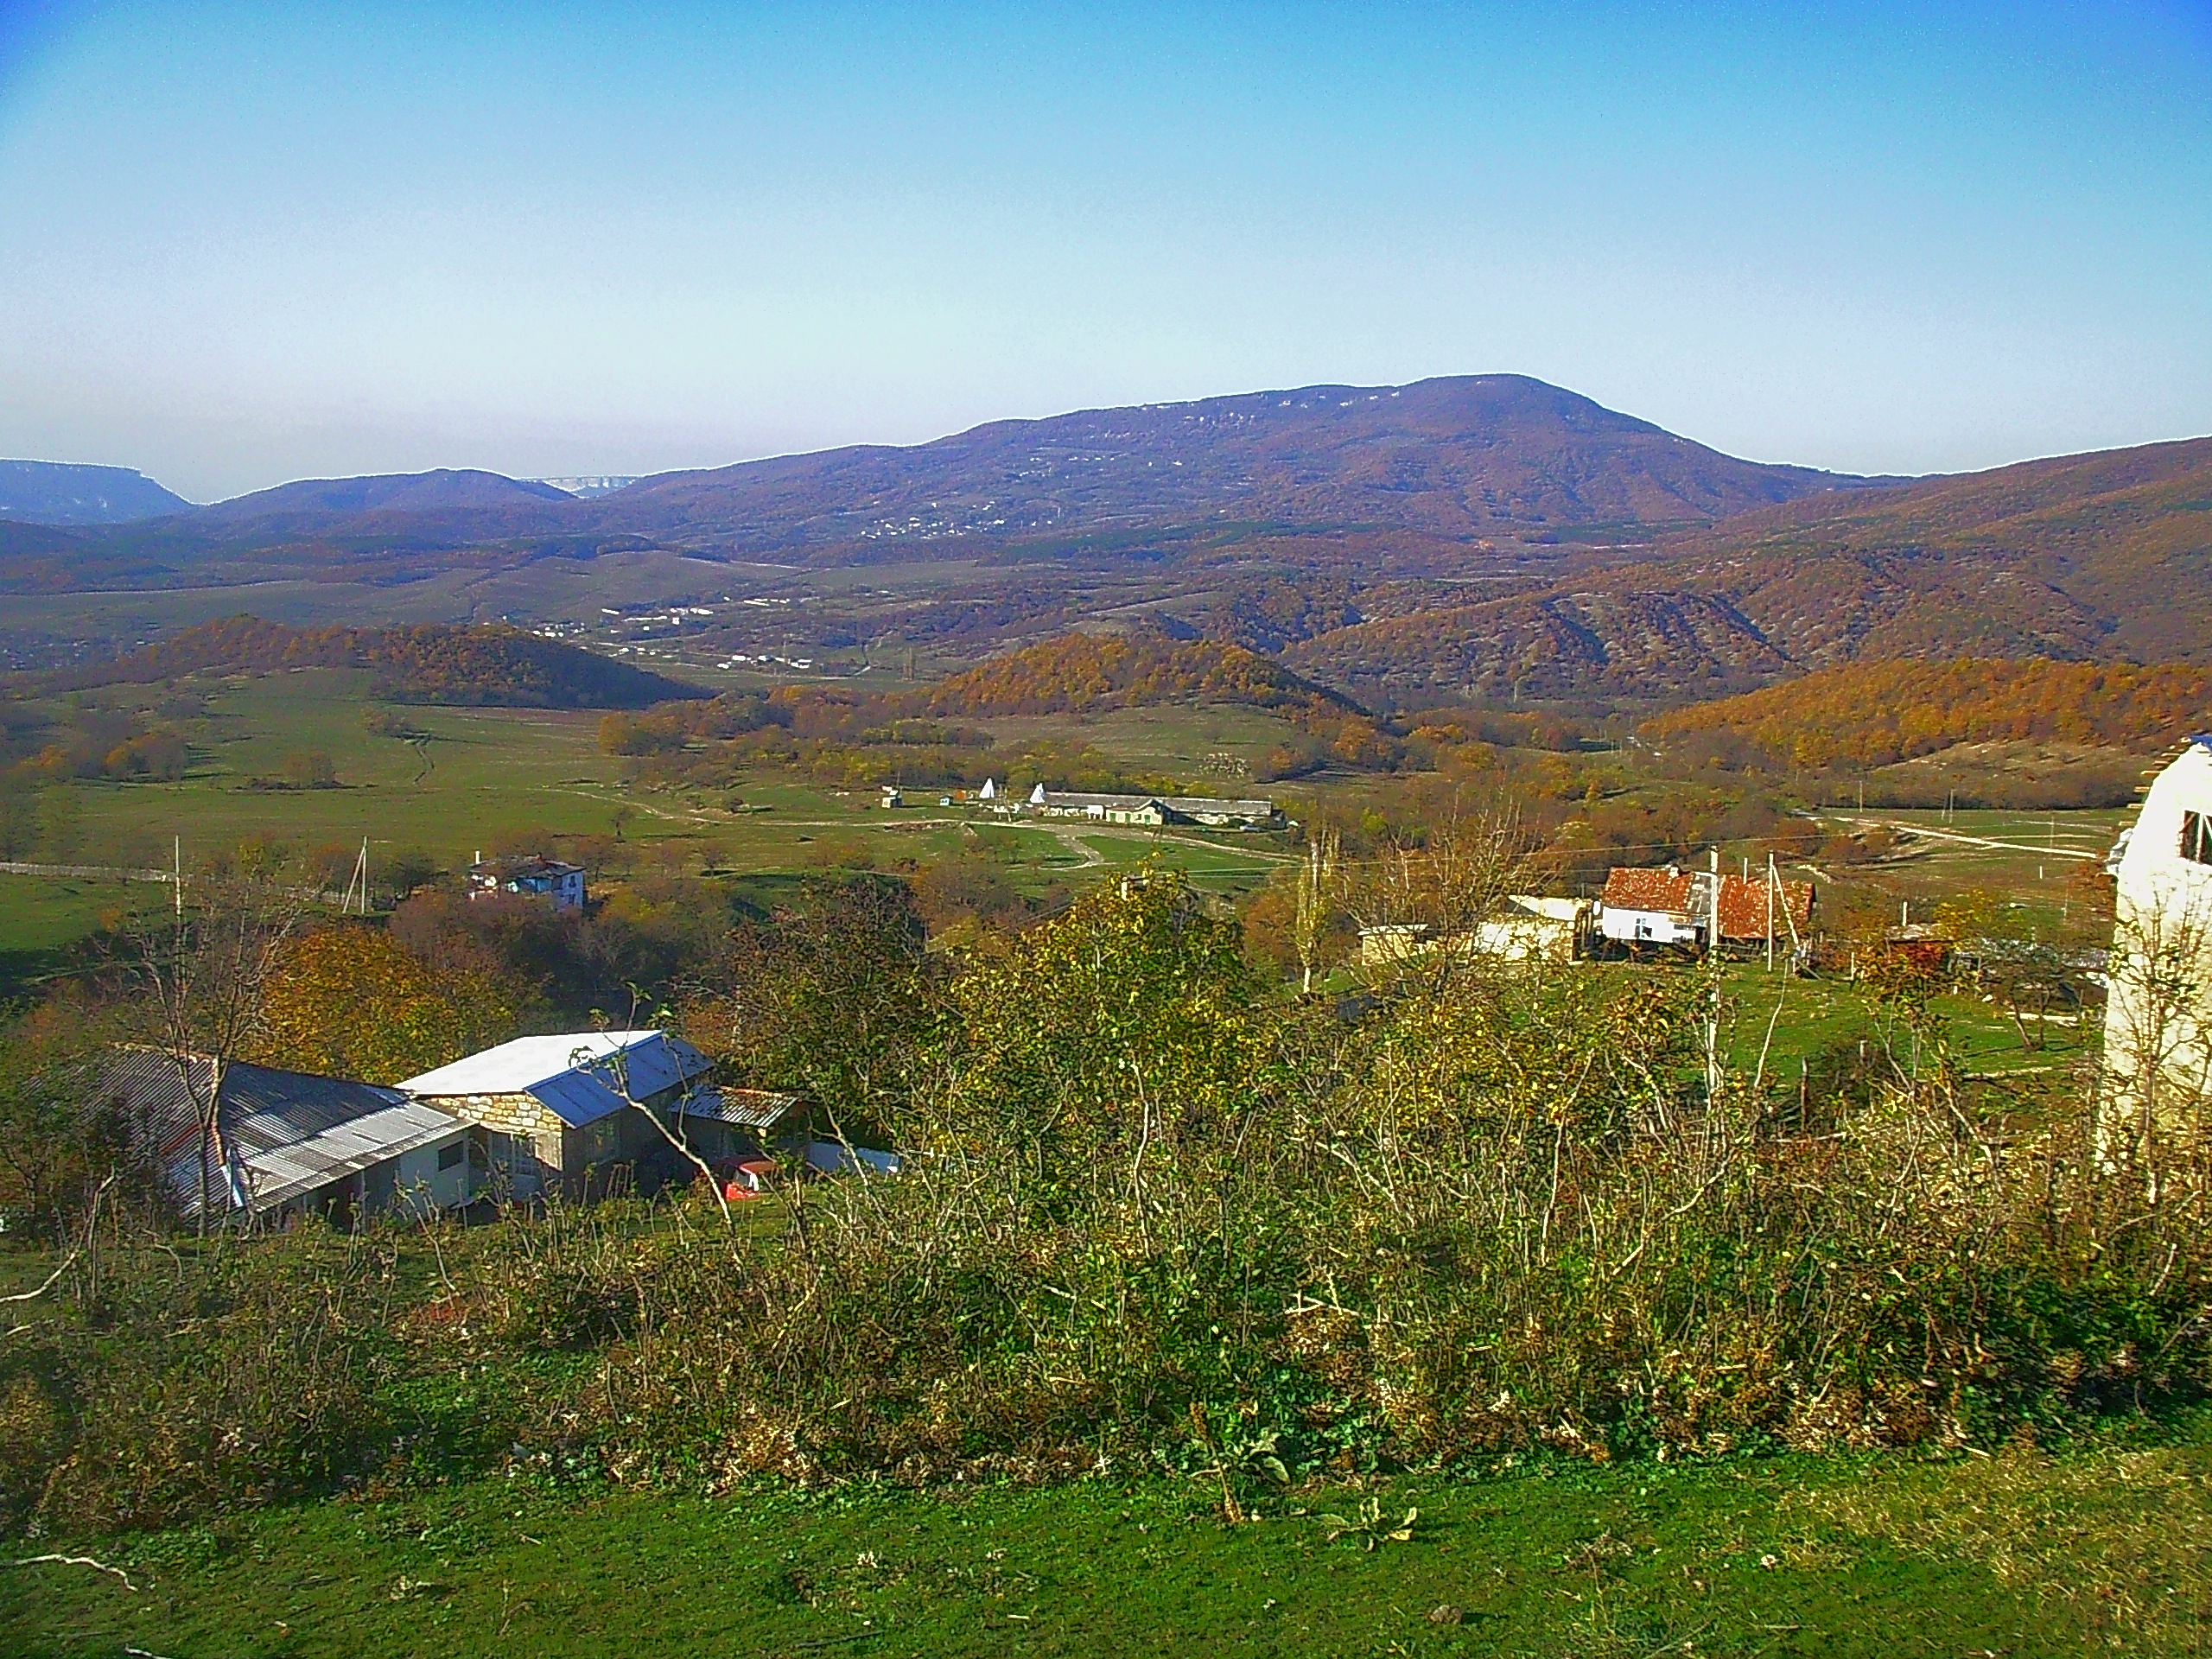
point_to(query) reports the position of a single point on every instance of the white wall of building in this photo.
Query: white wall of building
(438, 1176)
(2158, 1015)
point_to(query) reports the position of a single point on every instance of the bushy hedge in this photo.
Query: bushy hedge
(1152, 1216)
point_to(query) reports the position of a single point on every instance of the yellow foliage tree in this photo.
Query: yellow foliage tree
(348, 1000)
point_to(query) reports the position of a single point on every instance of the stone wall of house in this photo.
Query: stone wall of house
(508, 1114)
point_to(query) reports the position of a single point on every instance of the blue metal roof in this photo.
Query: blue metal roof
(593, 1090)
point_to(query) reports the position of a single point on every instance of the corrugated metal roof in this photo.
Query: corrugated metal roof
(283, 1173)
(654, 1061)
(269, 1114)
(749, 1108)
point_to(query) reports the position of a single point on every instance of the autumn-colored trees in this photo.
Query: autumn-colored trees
(1876, 713)
(349, 1001)
(494, 665)
(1079, 671)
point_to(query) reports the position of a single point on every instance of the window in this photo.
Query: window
(451, 1157)
(2196, 837)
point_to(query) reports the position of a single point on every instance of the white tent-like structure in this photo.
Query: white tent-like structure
(2158, 1011)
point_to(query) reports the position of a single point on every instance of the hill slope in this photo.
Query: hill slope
(1877, 713)
(58, 493)
(495, 666)
(1080, 672)
(338, 506)
(2102, 557)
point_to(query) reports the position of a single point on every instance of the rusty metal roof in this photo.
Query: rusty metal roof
(1673, 891)
(1743, 906)
(1667, 890)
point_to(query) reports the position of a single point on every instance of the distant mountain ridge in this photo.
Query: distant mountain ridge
(62, 493)
(1457, 459)
(1460, 457)
(1485, 537)
(316, 502)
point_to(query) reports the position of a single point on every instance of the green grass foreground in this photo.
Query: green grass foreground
(2106, 1547)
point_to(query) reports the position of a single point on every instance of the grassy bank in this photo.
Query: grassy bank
(2102, 1548)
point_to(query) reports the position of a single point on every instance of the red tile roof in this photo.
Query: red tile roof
(1743, 906)
(1667, 890)
(1678, 892)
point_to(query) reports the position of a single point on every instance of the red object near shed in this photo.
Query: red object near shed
(749, 1179)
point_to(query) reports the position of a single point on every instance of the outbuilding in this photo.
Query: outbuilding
(292, 1143)
(529, 878)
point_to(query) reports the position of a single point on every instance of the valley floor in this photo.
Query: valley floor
(2104, 1548)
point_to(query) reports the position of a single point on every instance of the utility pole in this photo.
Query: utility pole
(1713, 972)
(360, 877)
(1770, 912)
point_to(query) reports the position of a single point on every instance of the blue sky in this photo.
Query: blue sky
(242, 244)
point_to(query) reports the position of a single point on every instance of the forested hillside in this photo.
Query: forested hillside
(2085, 558)
(1080, 672)
(493, 665)
(1876, 713)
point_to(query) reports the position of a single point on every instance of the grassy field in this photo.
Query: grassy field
(1808, 1016)
(41, 918)
(2103, 1547)
(466, 779)
(462, 780)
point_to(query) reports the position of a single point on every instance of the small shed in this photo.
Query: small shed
(721, 1125)
(555, 1110)
(296, 1143)
(1390, 943)
(1529, 926)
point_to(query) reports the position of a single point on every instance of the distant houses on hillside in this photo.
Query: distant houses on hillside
(1666, 908)
(531, 877)
(1154, 811)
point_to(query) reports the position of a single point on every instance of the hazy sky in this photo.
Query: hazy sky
(244, 244)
